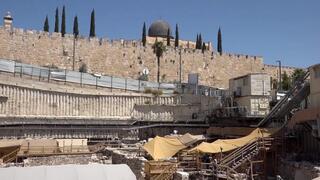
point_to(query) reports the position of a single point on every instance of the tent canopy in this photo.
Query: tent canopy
(163, 148)
(69, 172)
(224, 145)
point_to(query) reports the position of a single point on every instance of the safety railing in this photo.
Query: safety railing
(62, 75)
(11, 156)
(298, 86)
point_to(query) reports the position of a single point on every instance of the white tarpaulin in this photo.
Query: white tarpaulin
(69, 172)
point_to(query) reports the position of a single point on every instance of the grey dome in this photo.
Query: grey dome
(159, 28)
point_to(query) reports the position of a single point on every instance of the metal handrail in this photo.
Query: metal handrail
(276, 108)
(12, 155)
(239, 150)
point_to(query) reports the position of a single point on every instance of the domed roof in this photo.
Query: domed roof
(159, 28)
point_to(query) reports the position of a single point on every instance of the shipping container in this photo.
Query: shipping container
(251, 84)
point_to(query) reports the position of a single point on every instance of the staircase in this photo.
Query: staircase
(291, 100)
(246, 153)
(10, 156)
(276, 118)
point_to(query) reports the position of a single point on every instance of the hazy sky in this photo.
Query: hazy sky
(275, 29)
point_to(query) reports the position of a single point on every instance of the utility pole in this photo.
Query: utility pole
(280, 78)
(180, 74)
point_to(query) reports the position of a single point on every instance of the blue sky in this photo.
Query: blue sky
(275, 29)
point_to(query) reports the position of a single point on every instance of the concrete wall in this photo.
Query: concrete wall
(167, 113)
(315, 86)
(256, 105)
(35, 99)
(192, 108)
(125, 58)
(252, 84)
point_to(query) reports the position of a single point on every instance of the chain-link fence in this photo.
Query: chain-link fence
(63, 75)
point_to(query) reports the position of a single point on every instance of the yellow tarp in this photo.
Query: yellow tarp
(166, 147)
(163, 148)
(224, 145)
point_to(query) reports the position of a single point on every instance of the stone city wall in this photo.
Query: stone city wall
(124, 58)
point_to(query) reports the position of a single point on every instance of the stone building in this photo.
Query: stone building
(123, 58)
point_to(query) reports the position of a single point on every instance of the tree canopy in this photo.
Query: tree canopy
(56, 23)
(92, 25)
(75, 26)
(176, 41)
(286, 82)
(219, 45)
(63, 22)
(46, 25)
(144, 34)
(168, 37)
(297, 74)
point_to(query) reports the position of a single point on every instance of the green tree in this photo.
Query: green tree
(63, 22)
(297, 75)
(219, 45)
(75, 26)
(176, 41)
(158, 49)
(92, 25)
(197, 42)
(144, 35)
(286, 83)
(56, 22)
(46, 25)
(200, 42)
(274, 83)
(203, 48)
(83, 68)
(168, 37)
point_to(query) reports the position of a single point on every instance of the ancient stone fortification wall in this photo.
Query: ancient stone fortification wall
(273, 70)
(125, 58)
(24, 101)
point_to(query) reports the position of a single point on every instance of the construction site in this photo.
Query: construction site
(63, 124)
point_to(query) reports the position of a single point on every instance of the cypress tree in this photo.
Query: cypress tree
(203, 47)
(168, 37)
(200, 41)
(219, 46)
(92, 25)
(56, 23)
(176, 41)
(197, 42)
(46, 25)
(75, 26)
(63, 22)
(144, 35)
